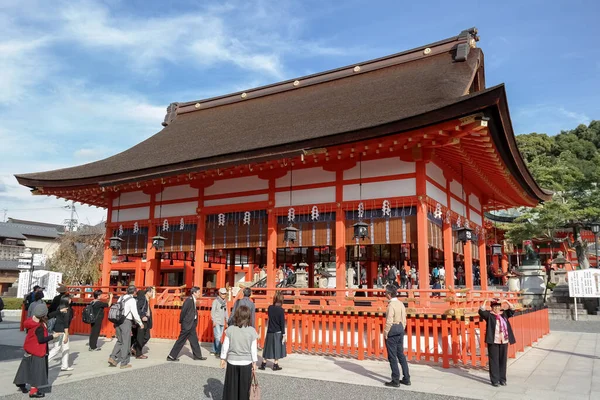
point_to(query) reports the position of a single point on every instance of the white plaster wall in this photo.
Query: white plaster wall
(131, 214)
(383, 167)
(379, 190)
(304, 197)
(457, 206)
(475, 217)
(129, 198)
(236, 200)
(306, 177)
(474, 202)
(435, 173)
(436, 194)
(456, 188)
(48, 246)
(234, 185)
(176, 210)
(178, 192)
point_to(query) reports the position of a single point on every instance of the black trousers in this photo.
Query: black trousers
(94, 334)
(191, 336)
(238, 379)
(395, 349)
(142, 336)
(498, 355)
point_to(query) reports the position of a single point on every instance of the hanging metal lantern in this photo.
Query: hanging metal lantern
(115, 243)
(361, 230)
(290, 234)
(496, 249)
(464, 234)
(158, 242)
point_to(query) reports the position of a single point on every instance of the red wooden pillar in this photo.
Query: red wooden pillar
(468, 253)
(504, 268)
(188, 274)
(139, 274)
(448, 255)
(107, 259)
(199, 255)
(152, 263)
(483, 276)
(340, 237)
(422, 227)
(271, 249)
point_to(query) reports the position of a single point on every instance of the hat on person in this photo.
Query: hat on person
(222, 291)
(40, 310)
(61, 289)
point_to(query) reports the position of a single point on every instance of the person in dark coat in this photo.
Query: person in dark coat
(275, 341)
(62, 290)
(498, 336)
(33, 369)
(189, 321)
(142, 335)
(64, 316)
(98, 307)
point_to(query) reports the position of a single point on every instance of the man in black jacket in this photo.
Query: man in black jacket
(189, 321)
(142, 336)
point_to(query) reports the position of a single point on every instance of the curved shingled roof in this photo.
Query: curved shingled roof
(406, 90)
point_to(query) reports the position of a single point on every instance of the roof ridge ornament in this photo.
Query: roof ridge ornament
(469, 39)
(171, 113)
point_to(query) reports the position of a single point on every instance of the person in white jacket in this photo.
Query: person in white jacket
(122, 350)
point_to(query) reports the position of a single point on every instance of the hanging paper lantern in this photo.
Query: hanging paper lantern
(115, 243)
(290, 233)
(496, 249)
(158, 242)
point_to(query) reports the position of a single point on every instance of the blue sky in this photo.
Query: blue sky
(82, 80)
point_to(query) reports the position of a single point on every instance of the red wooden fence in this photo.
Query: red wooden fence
(429, 337)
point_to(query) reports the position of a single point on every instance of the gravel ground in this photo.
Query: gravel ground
(181, 382)
(575, 326)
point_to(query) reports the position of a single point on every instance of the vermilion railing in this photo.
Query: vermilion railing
(430, 337)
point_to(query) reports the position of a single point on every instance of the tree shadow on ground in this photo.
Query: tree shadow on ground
(358, 369)
(213, 389)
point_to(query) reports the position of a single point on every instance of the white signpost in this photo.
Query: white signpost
(583, 283)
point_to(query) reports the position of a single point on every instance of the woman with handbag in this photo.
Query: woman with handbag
(275, 341)
(239, 353)
(498, 336)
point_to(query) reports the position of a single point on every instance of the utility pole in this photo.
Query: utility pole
(72, 222)
(4, 217)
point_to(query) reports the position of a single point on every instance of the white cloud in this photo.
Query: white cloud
(546, 118)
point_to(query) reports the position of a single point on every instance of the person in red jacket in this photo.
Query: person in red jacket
(34, 366)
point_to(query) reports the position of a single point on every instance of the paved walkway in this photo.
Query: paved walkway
(563, 365)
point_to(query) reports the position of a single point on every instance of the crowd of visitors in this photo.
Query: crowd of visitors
(236, 346)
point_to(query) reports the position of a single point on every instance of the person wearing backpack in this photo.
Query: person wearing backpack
(123, 314)
(142, 335)
(96, 309)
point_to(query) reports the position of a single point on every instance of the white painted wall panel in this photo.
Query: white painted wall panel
(438, 195)
(457, 206)
(304, 197)
(129, 198)
(236, 200)
(383, 167)
(475, 217)
(435, 173)
(474, 202)
(378, 190)
(306, 177)
(234, 185)
(131, 214)
(456, 188)
(178, 192)
(176, 210)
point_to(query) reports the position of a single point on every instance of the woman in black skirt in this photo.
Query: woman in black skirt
(275, 341)
(34, 366)
(239, 353)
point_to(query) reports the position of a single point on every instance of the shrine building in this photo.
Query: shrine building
(391, 161)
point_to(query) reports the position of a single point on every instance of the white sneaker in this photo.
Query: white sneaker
(67, 369)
